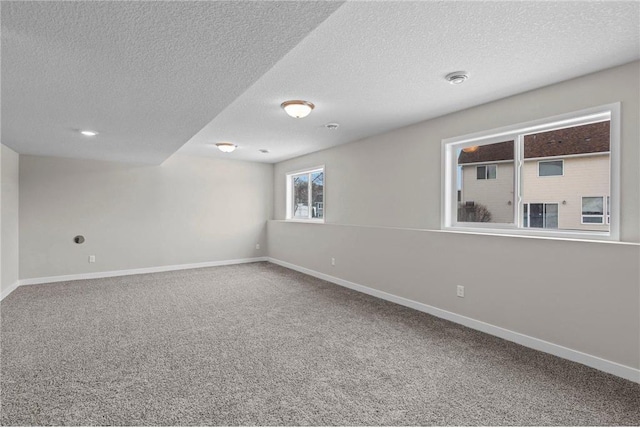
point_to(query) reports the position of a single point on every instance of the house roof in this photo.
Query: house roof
(584, 139)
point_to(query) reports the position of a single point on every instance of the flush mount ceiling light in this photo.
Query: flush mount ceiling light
(470, 149)
(297, 108)
(88, 133)
(226, 147)
(457, 77)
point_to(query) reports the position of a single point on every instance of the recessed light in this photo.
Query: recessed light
(297, 108)
(332, 126)
(226, 147)
(457, 77)
(88, 133)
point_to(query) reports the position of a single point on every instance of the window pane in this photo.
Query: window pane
(485, 195)
(576, 163)
(592, 219)
(536, 215)
(592, 206)
(301, 196)
(492, 171)
(551, 216)
(317, 194)
(550, 168)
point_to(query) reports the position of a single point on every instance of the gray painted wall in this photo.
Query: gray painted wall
(187, 210)
(383, 215)
(393, 179)
(9, 219)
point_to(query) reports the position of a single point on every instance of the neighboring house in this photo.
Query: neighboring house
(565, 179)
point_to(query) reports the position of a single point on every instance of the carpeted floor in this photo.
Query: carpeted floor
(258, 344)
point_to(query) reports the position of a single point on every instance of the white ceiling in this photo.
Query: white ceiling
(148, 76)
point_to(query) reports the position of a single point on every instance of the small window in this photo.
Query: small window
(593, 210)
(486, 172)
(550, 168)
(305, 195)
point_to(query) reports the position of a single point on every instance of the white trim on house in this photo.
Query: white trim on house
(598, 363)
(579, 155)
(485, 163)
(137, 271)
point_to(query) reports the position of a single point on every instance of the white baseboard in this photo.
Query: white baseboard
(598, 363)
(9, 289)
(108, 274)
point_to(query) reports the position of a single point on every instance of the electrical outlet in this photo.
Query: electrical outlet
(92, 259)
(257, 246)
(333, 261)
(460, 291)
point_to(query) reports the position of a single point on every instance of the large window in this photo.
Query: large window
(556, 177)
(305, 195)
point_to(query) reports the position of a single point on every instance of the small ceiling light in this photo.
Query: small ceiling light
(297, 108)
(332, 126)
(457, 77)
(88, 133)
(470, 149)
(226, 147)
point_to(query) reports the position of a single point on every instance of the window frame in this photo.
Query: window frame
(290, 194)
(486, 171)
(547, 161)
(603, 216)
(516, 132)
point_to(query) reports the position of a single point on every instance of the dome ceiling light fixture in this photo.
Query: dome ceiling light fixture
(470, 149)
(88, 133)
(226, 147)
(457, 77)
(297, 108)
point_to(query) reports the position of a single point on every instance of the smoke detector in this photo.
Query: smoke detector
(457, 77)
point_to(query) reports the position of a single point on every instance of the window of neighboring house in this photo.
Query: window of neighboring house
(540, 215)
(593, 210)
(550, 168)
(580, 147)
(486, 172)
(305, 195)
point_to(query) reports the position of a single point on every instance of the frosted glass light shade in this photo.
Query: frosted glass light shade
(226, 147)
(297, 108)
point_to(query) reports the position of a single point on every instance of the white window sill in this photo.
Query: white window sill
(304, 220)
(587, 236)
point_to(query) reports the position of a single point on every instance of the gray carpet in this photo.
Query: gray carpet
(258, 344)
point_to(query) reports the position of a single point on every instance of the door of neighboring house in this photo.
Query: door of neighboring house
(541, 215)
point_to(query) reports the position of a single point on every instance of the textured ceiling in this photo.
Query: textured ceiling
(375, 66)
(146, 75)
(150, 75)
